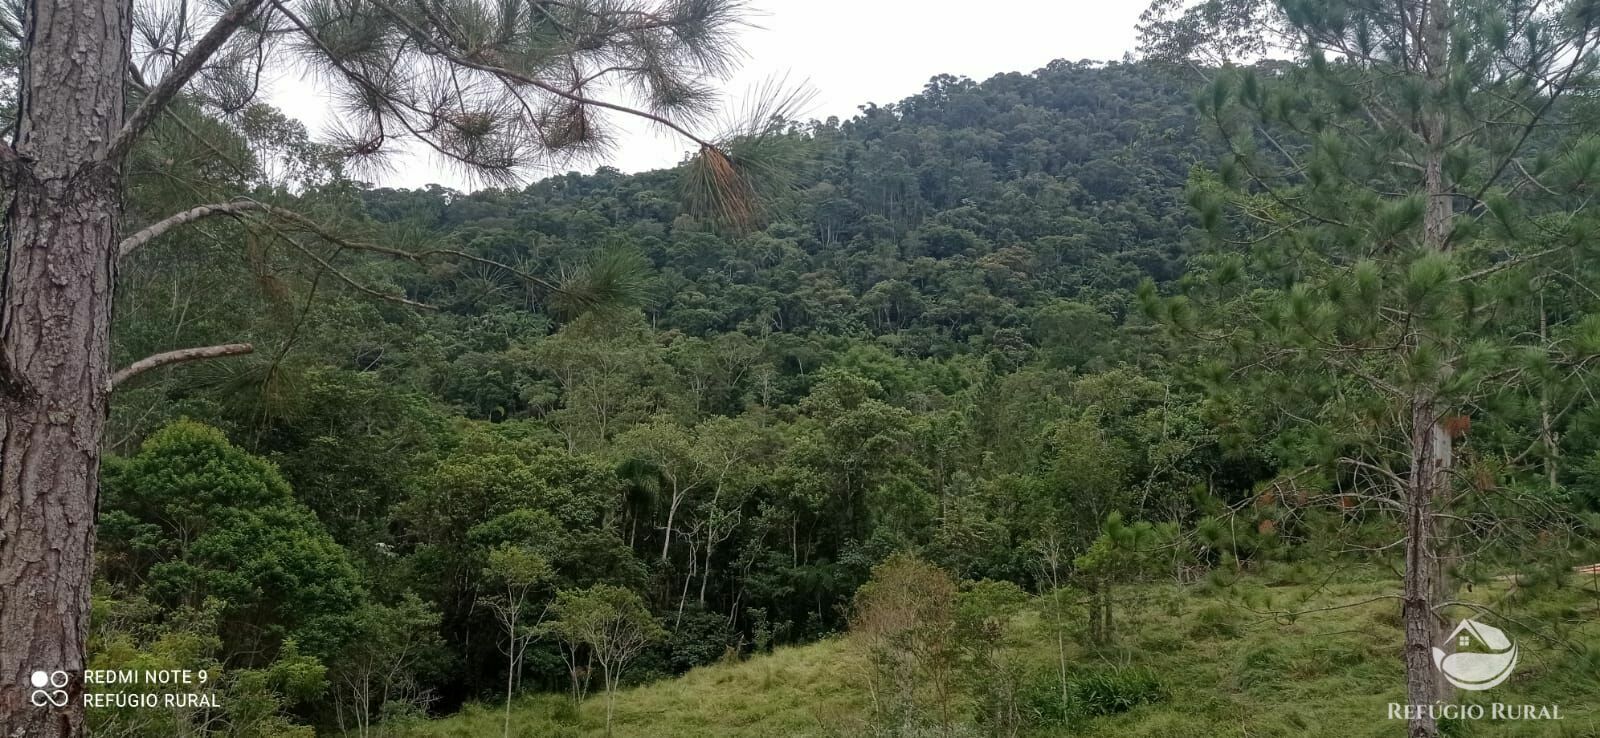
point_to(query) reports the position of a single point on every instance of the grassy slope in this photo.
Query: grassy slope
(1230, 667)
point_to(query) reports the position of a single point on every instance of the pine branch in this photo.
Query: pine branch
(457, 58)
(380, 97)
(1557, 87)
(175, 80)
(155, 230)
(136, 78)
(242, 205)
(413, 256)
(180, 356)
(132, 243)
(351, 281)
(1509, 263)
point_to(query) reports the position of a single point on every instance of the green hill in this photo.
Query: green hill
(1229, 658)
(1053, 331)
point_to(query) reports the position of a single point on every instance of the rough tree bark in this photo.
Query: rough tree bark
(1424, 575)
(55, 320)
(1425, 583)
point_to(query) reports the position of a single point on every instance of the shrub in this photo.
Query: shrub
(701, 638)
(1090, 694)
(1114, 691)
(191, 517)
(1042, 701)
(903, 621)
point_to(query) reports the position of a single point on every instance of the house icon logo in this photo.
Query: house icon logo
(1481, 656)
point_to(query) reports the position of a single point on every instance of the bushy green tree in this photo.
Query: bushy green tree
(496, 489)
(991, 670)
(601, 364)
(516, 573)
(1122, 553)
(192, 517)
(610, 623)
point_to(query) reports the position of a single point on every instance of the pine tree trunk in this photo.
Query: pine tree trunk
(55, 321)
(1428, 478)
(1547, 433)
(1424, 577)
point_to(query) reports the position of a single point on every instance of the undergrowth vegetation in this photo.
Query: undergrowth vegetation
(1245, 658)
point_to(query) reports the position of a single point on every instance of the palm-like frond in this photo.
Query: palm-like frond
(260, 386)
(613, 279)
(755, 159)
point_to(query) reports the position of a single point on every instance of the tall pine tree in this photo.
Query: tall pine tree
(1395, 204)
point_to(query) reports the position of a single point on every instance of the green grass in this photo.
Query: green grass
(1228, 666)
(789, 692)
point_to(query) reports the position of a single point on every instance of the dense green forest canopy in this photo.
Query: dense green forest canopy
(933, 342)
(932, 329)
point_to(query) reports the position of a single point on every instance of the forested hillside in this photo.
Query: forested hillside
(1245, 386)
(593, 439)
(929, 343)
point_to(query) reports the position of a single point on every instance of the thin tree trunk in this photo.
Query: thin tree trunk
(611, 695)
(1105, 616)
(705, 576)
(1052, 558)
(1547, 433)
(55, 321)
(672, 512)
(1422, 573)
(688, 577)
(511, 671)
(1428, 480)
(1061, 652)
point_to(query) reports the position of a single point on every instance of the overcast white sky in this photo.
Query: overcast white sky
(851, 52)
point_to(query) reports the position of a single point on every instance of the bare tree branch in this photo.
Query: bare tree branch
(151, 232)
(179, 76)
(179, 356)
(242, 205)
(319, 230)
(1511, 262)
(347, 279)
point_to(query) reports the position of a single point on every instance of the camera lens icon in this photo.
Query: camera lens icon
(48, 688)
